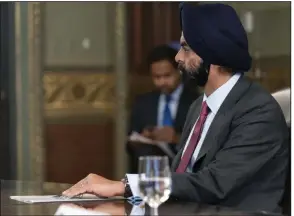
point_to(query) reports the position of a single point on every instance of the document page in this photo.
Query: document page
(57, 198)
(136, 137)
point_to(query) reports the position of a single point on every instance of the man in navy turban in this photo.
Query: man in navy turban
(216, 36)
(234, 148)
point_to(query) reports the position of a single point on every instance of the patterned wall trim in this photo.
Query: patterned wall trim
(78, 94)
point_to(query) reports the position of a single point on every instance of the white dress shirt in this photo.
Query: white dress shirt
(214, 101)
(173, 104)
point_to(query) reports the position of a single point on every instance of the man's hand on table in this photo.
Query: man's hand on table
(98, 185)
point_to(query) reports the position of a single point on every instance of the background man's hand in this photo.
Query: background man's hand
(148, 132)
(97, 185)
(165, 134)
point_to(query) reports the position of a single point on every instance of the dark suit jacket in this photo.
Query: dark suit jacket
(145, 110)
(244, 157)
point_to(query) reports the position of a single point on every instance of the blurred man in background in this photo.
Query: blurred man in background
(160, 115)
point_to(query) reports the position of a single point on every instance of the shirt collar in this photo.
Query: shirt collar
(215, 100)
(177, 92)
(175, 95)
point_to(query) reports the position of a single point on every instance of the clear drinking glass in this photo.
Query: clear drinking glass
(154, 181)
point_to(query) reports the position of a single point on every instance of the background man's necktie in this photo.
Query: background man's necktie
(167, 117)
(194, 139)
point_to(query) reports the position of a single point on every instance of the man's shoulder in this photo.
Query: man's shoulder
(146, 97)
(258, 96)
(258, 100)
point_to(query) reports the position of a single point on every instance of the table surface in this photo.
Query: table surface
(12, 207)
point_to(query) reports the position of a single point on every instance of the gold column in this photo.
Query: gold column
(121, 89)
(29, 92)
(36, 93)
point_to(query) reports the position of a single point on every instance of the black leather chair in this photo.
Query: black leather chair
(286, 199)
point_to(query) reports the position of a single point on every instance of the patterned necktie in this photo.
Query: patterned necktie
(194, 139)
(167, 117)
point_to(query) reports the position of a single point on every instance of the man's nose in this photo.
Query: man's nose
(178, 57)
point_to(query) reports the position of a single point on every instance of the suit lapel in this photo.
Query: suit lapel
(185, 135)
(192, 121)
(154, 109)
(214, 130)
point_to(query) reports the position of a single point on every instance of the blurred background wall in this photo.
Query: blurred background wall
(79, 65)
(79, 60)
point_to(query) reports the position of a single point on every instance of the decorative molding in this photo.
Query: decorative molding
(78, 94)
(94, 69)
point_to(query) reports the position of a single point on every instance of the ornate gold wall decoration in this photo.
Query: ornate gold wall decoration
(68, 94)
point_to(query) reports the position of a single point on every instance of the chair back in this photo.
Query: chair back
(283, 97)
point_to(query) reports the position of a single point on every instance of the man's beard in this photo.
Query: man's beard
(199, 75)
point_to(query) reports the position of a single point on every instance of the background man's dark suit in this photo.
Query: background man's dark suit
(244, 157)
(145, 113)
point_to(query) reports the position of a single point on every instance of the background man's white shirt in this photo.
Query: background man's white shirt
(173, 104)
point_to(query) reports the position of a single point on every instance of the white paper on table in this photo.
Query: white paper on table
(136, 137)
(54, 198)
(75, 210)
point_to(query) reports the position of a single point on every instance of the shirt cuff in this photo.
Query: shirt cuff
(133, 182)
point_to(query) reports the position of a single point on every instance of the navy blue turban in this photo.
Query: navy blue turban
(175, 45)
(215, 33)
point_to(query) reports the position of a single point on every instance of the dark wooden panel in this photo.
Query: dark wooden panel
(75, 150)
(7, 86)
(150, 24)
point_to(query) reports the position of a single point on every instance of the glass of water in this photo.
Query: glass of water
(154, 181)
